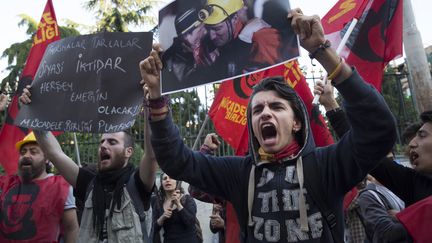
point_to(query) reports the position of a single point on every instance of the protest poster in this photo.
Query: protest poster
(215, 40)
(88, 84)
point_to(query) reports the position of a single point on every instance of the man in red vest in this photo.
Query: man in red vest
(36, 206)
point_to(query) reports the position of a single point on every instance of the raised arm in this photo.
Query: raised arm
(147, 167)
(334, 113)
(372, 127)
(52, 149)
(3, 102)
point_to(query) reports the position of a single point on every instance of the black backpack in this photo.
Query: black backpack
(315, 188)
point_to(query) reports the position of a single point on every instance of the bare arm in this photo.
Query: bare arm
(70, 225)
(147, 167)
(3, 102)
(52, 149)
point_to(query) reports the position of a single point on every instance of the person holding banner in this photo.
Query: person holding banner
(35, 205)
(117, 191)
(286, 189)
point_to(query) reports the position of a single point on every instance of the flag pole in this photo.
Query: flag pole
(338, 51)
(195, 145)
(77, 150)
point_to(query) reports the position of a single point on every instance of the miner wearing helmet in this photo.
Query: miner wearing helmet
(189, 53)
(258, 43)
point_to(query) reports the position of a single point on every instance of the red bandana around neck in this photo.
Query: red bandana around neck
(291, 149)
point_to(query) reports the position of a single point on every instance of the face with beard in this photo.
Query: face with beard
(32, 162)
(113, 154)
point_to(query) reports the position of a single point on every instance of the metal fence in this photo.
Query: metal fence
(189, 110)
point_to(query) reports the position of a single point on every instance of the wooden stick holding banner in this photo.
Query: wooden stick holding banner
(195, 145)
(338, 51)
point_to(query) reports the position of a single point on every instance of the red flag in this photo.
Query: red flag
(416, 220)
(47, 32)
(376, 39)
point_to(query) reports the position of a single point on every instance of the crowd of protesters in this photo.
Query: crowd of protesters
(285, 190)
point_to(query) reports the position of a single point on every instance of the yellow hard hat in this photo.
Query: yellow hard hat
(30, 138)
(219, 10)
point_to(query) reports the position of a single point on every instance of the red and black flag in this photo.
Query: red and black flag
(376, 38)
(46, 33)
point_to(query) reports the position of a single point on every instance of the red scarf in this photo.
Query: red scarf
(290, 150)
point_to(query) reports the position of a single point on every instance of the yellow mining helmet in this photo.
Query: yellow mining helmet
(218, 10)
(30, 138)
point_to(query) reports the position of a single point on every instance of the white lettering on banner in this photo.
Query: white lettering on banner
(49, 69)
(105, 127)
(55, 86)
(98, 65)
(68, 125)
(100, 42)
(46, 125)
(60, 47)
(272, 230)
(266, 197)
(266, 176)
(88, 96)
(291, 175)
(112, 110)
(79, 126)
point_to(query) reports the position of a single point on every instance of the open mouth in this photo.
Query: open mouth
(413, 157)
(268, 131)
(25, 162)
(105, 156)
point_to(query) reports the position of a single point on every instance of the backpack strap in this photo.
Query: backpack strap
(136, 201)
(315, 187)
(89, 189)
(139, 206)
